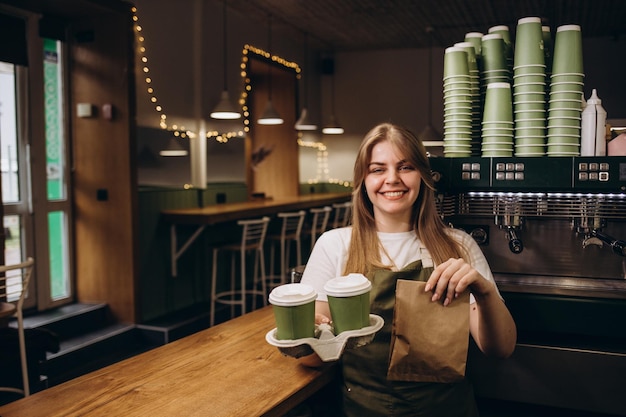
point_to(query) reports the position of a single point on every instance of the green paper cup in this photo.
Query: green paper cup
(566, 95)
(575, 104)
(493, 52)
(576, 78)
(498, 104)
(566, 86)
(529, 69)
(475, 38)
(349, 302)
(497, 154)
(548, 47)
(568, 50)
(529, 42)
(294, 311)
(529, 142)
(455, 62)
(471, 55)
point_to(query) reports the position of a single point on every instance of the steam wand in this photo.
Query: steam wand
(618, 246)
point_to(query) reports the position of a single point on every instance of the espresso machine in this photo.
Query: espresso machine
(554, 233)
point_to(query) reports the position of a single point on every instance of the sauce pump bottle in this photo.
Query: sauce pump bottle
(592, 140)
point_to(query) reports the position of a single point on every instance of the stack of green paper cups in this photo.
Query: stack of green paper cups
(503, 31)
(475, 95)
(495, 67)
(497, 138)
(529, 88)
(566, 88)
(457, 103)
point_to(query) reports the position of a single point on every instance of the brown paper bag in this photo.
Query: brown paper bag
(429, 342)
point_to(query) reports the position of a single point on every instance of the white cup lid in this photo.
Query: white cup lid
(289, 295)
(348, 286)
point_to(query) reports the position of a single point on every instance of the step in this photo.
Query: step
(94, 350)
(70, 320)
(177, 325)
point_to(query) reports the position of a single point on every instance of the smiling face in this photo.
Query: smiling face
(393, 185)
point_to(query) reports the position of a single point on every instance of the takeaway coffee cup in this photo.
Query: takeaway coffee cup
(349, 302)
(294, 311)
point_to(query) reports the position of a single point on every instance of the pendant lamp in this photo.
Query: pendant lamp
(303, 123)
(429, 133)
(225, 109)
(332, 127)
(270, 116)
(173, 149)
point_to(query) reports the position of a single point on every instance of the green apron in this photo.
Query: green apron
(367, 392)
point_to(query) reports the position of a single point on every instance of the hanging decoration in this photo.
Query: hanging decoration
(177, 130)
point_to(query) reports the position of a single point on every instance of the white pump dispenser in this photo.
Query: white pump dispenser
(593, 127)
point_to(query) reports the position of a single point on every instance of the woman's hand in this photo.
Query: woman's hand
(491, 324)
(454, 276)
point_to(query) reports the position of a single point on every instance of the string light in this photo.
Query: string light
(245, 60)
(224, 137)
(180, 132)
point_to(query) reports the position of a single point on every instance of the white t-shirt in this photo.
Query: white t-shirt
(330, 253)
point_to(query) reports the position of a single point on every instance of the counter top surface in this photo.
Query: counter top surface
(236, 211)
(226, 370)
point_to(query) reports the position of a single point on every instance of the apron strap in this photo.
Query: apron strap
(427, 260)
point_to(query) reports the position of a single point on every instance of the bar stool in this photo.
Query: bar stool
(342, 214)
(319, 222)
(290, 232)
(252, 241)
(14, 281)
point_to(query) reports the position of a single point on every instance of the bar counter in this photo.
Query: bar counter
(221, 213)
(227, 370)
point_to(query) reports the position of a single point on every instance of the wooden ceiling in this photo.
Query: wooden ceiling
(351, 25)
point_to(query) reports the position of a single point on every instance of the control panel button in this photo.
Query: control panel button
(519, 166)
(593, 166)
(465, 166)
(583, 176)
(475, 175)
(500, 166)
(509, 176)
(603, 176)
(582, 166)
(465, 176)
(500, 176)
(593, 176)
(604, 166)
(475, 166)
(519, 176)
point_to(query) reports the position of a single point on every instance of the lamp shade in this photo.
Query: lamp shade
(270, 116)
(173, 149)
(304, 123)
(225, 109)
(332, 128)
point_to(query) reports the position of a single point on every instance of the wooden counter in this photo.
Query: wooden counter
(220, 213)
(227, 370)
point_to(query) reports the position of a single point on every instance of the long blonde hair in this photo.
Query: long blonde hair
(365, 247)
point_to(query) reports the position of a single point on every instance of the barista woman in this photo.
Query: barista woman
(395, 232)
